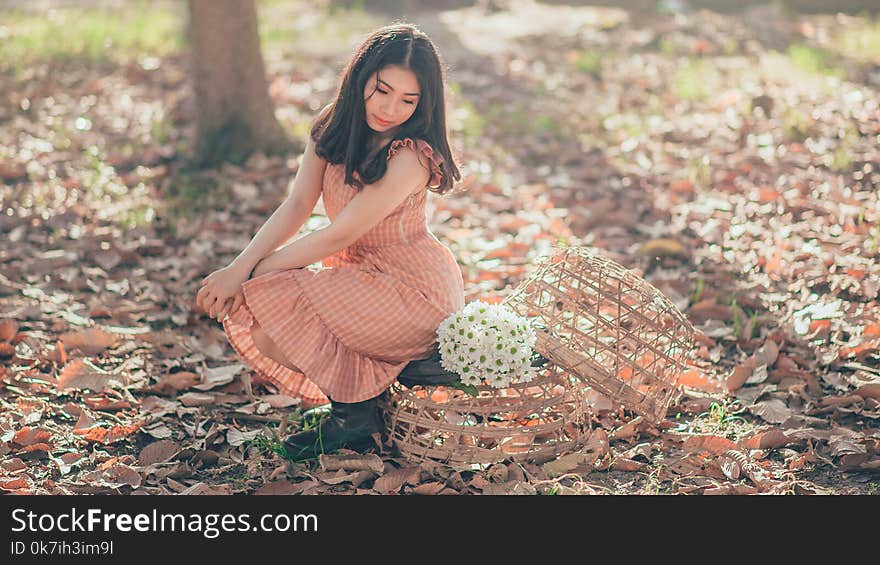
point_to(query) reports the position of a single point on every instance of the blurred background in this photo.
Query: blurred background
(726, 151)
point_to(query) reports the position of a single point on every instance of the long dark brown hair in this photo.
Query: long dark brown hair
(341, 132)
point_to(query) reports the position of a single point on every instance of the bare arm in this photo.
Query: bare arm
(371, 205)
(289, 217)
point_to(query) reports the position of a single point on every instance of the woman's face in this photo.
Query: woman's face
(390, 98)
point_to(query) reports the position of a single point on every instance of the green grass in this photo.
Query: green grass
(468, 119)
(268, 445)
(667, 47)
(796, 124)
(698, 291)
(140, 215)
(860, 43)
(841, 159)
(589, 62)
(699, 171)
(299, 29)
(187, 190)
(100, 180)
(692, 81)
(813, 59)
(103, 36)
(743, 320)
(548, 123)
(723, 417)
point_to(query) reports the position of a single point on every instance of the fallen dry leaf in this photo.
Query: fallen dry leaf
(157, 452)
(774, 410)
(770, 439)
(81, 374)
(285, 487)
(218, 376)
(628, 465)
(120, 474)
(90, 341)
(107, 435)
(171, 383)
(870, 390)
(565, 464)
(368, 462)
(729, 489)
(8, 329)
(711, 443)
(738, 377)
(10, 485)
(236, 437)
(196, 399)
(394, 480)
(709, 310)
(280, 400)
(428, 488)
(30, 435)
(695, 379)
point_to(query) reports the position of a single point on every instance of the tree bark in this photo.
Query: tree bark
(234, 114)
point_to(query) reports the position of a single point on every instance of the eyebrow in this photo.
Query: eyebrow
(392, 88)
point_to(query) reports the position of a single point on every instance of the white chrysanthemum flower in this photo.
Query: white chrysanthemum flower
(486, 342)
(469, 376)
(528, 375)
(478, 359)
(499, 380)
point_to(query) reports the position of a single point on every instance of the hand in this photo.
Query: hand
(260, 268)
(218, 287)
(231, 305)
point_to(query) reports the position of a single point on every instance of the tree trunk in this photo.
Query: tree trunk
(234, 114)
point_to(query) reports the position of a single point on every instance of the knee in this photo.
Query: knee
(267, 347)
(260, 339)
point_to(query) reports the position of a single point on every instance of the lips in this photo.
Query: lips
(381, 122)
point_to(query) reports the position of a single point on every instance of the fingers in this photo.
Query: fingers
(214, 305)
(222, 311)
(236, 303)
(201, 296)
(233, 306)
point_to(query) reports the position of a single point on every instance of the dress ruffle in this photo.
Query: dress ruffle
(319, 353)
(286, 381)
(421, 147)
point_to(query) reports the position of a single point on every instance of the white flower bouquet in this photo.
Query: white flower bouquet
(487, 343)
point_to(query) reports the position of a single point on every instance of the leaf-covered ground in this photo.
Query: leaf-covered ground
(731, 159)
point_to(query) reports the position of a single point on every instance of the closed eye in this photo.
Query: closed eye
(410, 102)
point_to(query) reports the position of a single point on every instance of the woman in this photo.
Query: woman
(345, 331)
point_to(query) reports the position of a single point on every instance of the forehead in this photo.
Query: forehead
(400, 79)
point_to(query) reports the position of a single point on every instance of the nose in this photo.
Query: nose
(389, 109)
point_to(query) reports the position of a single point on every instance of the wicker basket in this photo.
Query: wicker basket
(607, 327)
(598, 325)
(535, 421)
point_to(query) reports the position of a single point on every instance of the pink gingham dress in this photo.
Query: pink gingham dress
(353, 324)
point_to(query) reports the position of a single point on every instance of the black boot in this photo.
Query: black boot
(426, 372)
(349, 425)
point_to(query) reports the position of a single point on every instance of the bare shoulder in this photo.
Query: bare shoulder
(310, 159)
(407, 162)
(310, 152)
